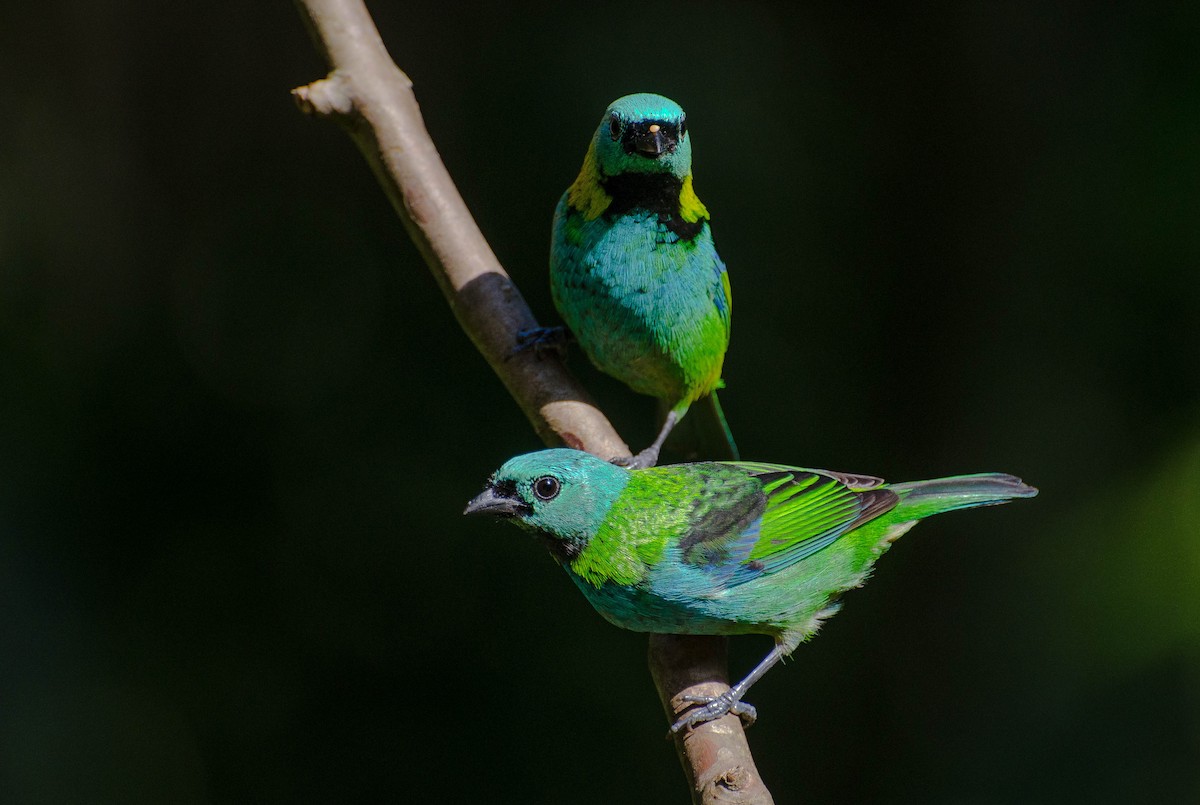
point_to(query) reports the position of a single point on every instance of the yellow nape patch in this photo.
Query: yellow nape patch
(586, 194)
(691, 208)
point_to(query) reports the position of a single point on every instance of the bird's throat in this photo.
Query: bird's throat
(564, 551)
(660, 194)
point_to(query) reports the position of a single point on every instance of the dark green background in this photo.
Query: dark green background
(238, 423)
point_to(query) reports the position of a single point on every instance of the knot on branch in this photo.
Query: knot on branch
(326, 97)
(736, 784)
(734, 779)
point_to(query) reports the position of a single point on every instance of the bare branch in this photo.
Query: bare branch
(369, 96)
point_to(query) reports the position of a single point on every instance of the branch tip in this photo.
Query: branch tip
(325, 97)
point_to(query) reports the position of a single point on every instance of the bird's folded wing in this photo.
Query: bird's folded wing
(805, 511)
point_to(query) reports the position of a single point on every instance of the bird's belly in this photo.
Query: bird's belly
(677, 598)
(639, 610)
(641, 304)
(649, 607)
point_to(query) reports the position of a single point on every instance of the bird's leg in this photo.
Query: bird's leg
(731, 700)
(543, 340)
(649, 456)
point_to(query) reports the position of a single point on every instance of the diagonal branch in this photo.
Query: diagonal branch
(369, 96)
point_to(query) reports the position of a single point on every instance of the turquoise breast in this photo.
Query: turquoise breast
(648, 306)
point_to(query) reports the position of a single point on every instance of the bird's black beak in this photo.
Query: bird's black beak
(490, 502)
(651, 139)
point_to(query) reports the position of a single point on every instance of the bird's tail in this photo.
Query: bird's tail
(702, 434)
(919, 499)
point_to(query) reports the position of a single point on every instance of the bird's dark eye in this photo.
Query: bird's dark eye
(546, 487)
(682, 127)
(614, 127)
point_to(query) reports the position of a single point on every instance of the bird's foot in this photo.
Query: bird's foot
(543, 340)
(649, 457)
(643, 460)
(714, 707)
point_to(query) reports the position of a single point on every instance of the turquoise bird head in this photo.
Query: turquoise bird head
(563, 495)
(643, 133)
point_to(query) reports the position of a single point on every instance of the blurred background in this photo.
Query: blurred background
(238, 423)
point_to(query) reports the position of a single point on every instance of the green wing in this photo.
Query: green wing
(808, 510)
(799, 512)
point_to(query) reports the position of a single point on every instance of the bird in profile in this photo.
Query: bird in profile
(719, 548)
(635, 276)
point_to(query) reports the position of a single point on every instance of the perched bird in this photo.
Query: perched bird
(719, 548)
(634, 272)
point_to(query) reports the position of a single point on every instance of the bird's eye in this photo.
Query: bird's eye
(614, 127)
(546, 487)
(682, 127)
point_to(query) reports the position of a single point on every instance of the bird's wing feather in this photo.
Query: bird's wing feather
(788, 515)
(727, 505)
(723, 294)
(807, 511)
(856, 481)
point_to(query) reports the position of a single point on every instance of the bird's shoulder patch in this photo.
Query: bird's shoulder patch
(586, 194)
(691, 208)
(634, 533)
